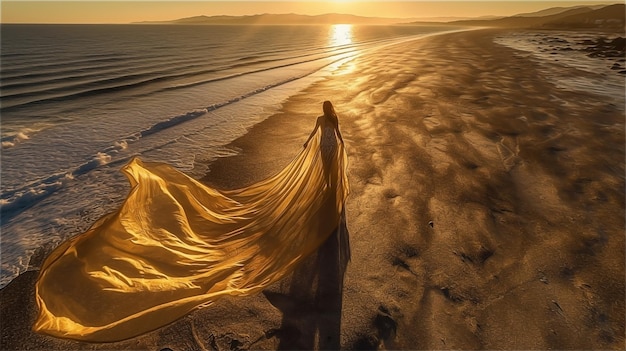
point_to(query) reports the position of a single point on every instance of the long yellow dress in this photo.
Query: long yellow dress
(176, 245)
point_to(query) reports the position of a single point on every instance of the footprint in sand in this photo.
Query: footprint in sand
(432, 124)
(508, 148)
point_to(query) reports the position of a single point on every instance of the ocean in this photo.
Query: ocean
(79, 101)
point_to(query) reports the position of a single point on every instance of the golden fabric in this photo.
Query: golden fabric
(176, 245)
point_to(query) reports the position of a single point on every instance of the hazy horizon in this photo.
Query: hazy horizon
(124, 12)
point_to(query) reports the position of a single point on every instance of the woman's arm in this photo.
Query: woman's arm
(317, 125)
(339, 134)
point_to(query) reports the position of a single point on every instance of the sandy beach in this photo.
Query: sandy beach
(486, 212)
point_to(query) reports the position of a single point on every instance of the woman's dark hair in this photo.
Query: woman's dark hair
(329, 111)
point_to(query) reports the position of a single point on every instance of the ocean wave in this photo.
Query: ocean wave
(25, 69)
(13, 202)
(205, 81)
(21, 68)
(109, 85)
(18, 137)
(82, 90)
(93, 69)
(78, 86)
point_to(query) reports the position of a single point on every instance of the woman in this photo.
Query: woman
(329, 124)
(176, 245)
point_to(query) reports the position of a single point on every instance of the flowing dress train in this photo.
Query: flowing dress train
(176, 245)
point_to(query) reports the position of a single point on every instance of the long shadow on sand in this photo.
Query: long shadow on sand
(312, 307)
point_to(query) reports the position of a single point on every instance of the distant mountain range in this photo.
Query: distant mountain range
(597, 16)
(608, 17)
(291, 18)
(556, 11)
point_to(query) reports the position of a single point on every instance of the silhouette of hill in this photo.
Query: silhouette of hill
(610, 17)
(596, 16)
(556, 10)
(604, 17)
(450, 19)
(523, 21)
(291, 18)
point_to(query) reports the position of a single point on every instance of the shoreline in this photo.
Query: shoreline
(485, 212)
(503, 182)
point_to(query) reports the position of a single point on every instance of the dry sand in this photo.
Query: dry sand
(486, 212)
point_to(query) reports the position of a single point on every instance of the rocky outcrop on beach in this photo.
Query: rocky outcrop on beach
(602, 47)
(605, 50)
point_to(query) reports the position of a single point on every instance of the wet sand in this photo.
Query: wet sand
(486, 212)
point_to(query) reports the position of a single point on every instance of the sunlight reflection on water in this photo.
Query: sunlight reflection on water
(340, 34)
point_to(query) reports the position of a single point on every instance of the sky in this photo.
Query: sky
(112, 11)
